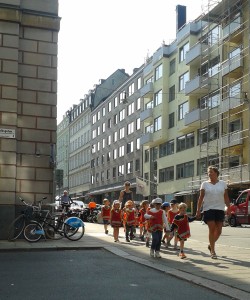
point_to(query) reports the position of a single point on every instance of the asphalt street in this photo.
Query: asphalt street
(89, 274)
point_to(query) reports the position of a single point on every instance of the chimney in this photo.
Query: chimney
(181, 16)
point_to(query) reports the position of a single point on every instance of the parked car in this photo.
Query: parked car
(240, 209)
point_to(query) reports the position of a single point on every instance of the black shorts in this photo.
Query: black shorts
(213, 215)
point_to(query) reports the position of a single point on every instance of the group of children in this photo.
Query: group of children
(158, 222)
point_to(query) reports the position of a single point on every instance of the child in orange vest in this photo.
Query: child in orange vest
(129, 220)
(105, 214)
(181, 225)
(116, 219)
(170, 215)
(157, 221)
(148, 233)
(142, 220)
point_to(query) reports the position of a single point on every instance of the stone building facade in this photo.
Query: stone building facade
(28, 98)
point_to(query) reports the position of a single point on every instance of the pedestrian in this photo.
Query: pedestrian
(129, 220)
(170, 215)
(142, 221)
(165, 207)
(148, 233)
(126, 194)
(66, 200)
(116, 219)
(157, 221)
(181, 226)
(105, 214)
(213, 198)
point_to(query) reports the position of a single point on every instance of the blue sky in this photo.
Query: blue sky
(97, 37)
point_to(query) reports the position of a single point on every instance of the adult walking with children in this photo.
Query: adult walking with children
(213, 198)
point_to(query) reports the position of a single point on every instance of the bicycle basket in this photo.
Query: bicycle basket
(28, 212)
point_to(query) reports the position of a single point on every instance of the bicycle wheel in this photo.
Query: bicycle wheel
(54, 228)
(33, 232)
(74, 228)
(16, 228)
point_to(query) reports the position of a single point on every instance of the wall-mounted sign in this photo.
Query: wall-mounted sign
(7, 133)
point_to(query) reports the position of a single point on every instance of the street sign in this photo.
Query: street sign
(7, 133)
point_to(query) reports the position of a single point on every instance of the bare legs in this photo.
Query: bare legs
(215, 229)
(116, 234)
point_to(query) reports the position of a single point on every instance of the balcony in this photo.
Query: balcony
(232, 27)
(146, 139)
(231, 139)
(146, 114)
(231, 64)
(230, 103)
(147, 90)
(195, 116)
(195, 52)
(198, 83)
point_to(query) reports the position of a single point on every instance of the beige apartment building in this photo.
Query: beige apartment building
(28, 99)
(203, 117)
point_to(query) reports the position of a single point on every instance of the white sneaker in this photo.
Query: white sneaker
(157, 254)
(152, 253)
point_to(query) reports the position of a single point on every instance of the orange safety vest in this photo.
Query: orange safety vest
(106, 212)
(116, 218)
(156, 223)
(142, 218)
(130, 217)
(171, 216)
(183, 229)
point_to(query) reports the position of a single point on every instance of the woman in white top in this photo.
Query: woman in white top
(213, 197)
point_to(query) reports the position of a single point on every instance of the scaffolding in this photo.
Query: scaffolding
(223, 96)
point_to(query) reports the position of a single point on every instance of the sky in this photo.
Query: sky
(97, 37)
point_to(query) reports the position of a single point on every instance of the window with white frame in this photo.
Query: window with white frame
(114, 153)
(131, 89)
(138, 144)
(182, 52)
(130, 128)
(94, 119)
(183, 80)
(120, 170)
(121, 151)
(182, 110)
(121, 133)
(172, 66)
(94, 134)
(122, 96)
(115, 101)
(98, 130)
(122, 115)
(210, 101)
(103, 111)
(149, 105)
(115, 119)
(158, 98)
(98, 115)
(103, 127)
(115, 136)
(235, 89)
(185, 170)
(103, 143)
(130, 147)
(109, 140)
(109, 107)
(98, 146)
(157, 124)
(138, 123)
(158, 72)
(149, 129)
(130, 167)
(131, 108)
(138, 103)
(139, 82)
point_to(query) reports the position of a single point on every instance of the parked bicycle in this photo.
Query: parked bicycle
(54, 226)
(17, 226)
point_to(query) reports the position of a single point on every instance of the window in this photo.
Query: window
(115, 101)
(122, 96)
(108, 174)
(208, 134)
(171, 120)
(158, 72)
(138, 144)
(121, 133)
(155, 153)
(137, 165)
(130, 167)
(109, 140)
(130, 147)
(108, 156)
(202, 166)
(182, 52)
(171, 93)
(103, 127)
(114, 172)
(94, 119)
(211, 101)
(149, 129)
(158, 98)
(234, 52)
(185, 170)
(115, 154)
(115, 119)
(146, 155)
(157, 124)
(138, 103)
(172, 66)
(235, 125)
(130, 128)
(109, 107)
(121, 170)
(235, 89)
(103, 143)
(103, 158)
(182, 110)
(115, 136)
(149, 105)
(131, 89)
(131, 108)
(182, 81)
(122, 115)
(121, 151)
(138, 123)
(185, 142)
(98, 115)
(166, 174)
(103, 111)
(98, 130)
(109, 123)
(139, 81)
(94, 134)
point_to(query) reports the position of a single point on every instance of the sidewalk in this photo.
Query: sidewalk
(228, 275)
